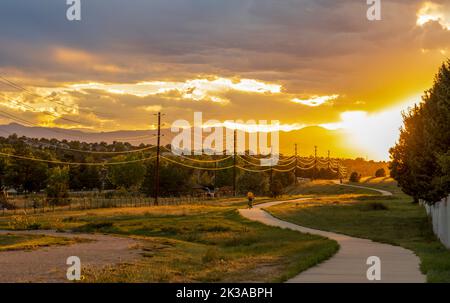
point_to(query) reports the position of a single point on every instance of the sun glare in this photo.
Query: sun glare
(374, 133)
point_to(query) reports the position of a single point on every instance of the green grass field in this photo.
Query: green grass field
(28, 242)
(394, 220)
(211, 242)
(192, 243)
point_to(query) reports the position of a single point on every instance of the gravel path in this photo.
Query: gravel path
(49, 264)
(348, 265)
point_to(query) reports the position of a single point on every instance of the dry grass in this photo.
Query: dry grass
(10, 242)
(192, 243)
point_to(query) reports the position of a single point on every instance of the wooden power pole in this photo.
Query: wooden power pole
(329, 166)
(234, 162)
(158, 152)
(296, 163)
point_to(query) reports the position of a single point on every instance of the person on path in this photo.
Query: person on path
(250, 197)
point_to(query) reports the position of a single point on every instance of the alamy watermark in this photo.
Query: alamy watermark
(73, 12)
(74, 271)
(374, 271)
(227, 138)
(374, 10)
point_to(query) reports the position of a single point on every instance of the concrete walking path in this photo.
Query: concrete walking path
(382, 192)
(348, 265)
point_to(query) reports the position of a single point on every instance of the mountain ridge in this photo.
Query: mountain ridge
(306, 138)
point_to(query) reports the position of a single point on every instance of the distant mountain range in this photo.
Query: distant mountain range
(334, 140)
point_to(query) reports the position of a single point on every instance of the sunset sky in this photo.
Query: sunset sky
(302, 62)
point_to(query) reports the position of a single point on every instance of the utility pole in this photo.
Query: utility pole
(271, 170)
(315, 162)
(234, 162)
(296, 163)
(315, 157)
(103, 173)
(328, 160)
(158, 152)
(215, 174)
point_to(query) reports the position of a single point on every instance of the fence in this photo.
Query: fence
(440, 215)
(40, 205)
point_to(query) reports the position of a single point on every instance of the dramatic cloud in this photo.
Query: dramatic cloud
(304, 62)
(197, 89)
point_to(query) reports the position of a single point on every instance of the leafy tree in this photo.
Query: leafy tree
(252, 182)
(285, 178)
(437, 134)
(90, 177)
(173, 180)
(57, 185)
(27, 175)
(129, 175)
(74, 178)
(420, 158)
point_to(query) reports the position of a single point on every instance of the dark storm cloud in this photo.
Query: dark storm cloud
(194, 32)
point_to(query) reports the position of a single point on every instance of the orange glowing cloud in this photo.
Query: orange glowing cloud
(431, 11)
(315, 100)
(196, 89)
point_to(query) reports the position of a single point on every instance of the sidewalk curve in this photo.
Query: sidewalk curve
(348, 265)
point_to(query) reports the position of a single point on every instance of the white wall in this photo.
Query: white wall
(440, 214)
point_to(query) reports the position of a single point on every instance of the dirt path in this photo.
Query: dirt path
(49, 264)
(348, 265)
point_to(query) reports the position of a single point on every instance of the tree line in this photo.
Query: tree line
(56, 180)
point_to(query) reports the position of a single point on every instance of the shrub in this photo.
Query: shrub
(94, 226)
(23, 222)
(380, 173)
(211, 255)
(355, 177)
(276, 189)
(375, 206)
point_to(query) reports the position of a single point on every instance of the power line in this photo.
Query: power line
(158, 154)
(197, 160)
(196, 167)
(75, 163)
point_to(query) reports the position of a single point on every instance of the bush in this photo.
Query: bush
(355, 177)
(94, 226)
(211, 255)
(375, 206)
(380, 173)
(276, 189)
(23, 222)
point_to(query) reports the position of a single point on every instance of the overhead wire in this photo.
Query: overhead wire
(75, 163)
